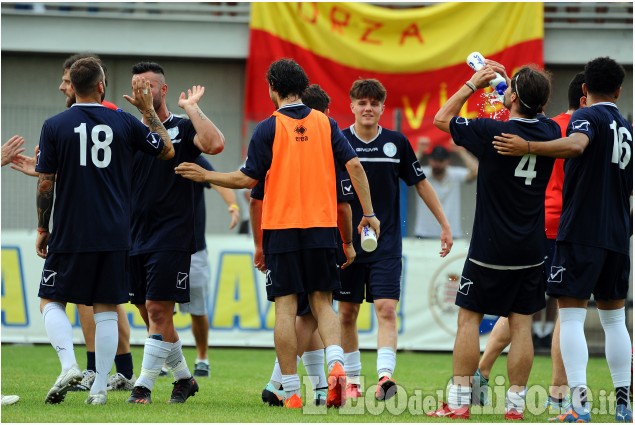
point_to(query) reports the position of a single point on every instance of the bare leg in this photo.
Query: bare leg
(521, 354)
(558, 388)
(499, 339)
(348, 313)
(200, 330)
(284, 333)
(466, 347)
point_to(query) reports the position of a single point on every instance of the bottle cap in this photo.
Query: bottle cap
(369, 239)
(501, 87)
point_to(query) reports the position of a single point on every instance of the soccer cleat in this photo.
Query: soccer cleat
(353, 391)
(386, 388)
(293, 402)
(319, 396)
(336, 395)
(201, 369)
(445, 411)
(514, 415)
(64, 382)
(558, 407)
(140, 395)
(10, 399)
(88, 377)
(272, 396)
(623, 414)
(572, 416)
(479, 389)
(183, 389)
(95, 399)
(118, 382)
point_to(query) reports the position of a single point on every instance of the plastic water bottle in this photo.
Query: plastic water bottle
(476, 61)
(369, 239)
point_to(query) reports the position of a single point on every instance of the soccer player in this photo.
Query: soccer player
(558, 400)
(387, 156)
(163, 235)
(200, 271)
(592, 248)
(310, 345)
(502, 274)
(88, 150)
(295, 150)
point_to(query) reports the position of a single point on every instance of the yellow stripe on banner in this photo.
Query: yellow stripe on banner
(378, 39)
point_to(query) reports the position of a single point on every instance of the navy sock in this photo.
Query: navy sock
(123, 363)
(90, 360)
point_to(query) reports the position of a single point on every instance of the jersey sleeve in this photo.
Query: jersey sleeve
(258, 191)
(473, 135)
(410, 170)
(581, 123)
(260, 150)
(145, 140)
(342, 149)
(46, 161)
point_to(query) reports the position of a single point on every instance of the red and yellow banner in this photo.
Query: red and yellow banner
(418, 54)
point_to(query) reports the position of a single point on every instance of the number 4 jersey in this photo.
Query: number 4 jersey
(91, 148)
(598, 183)
(509, 223)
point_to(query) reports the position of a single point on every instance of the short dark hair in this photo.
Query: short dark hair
(143, 67)
(74, 58)
(370, 88)
(575, 91)
(533, 88)
(316, 98)
(603, 75)
(85, 75)
(286, 77)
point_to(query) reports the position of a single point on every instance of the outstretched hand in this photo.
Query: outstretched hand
(26, 164)
(191, 171)
(194, 95)
(510, 145)
(11, 149)
(141, 94)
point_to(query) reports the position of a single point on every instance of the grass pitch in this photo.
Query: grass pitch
(232, 394)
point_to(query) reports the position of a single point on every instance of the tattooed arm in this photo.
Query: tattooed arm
(44, 200)
(209, 138)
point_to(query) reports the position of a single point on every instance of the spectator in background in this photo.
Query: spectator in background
(446, 181)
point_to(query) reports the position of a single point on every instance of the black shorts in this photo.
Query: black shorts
(301, 271)
(375, 280)
(501, 292)
(160, 276)
(86, 277)
(581, 270)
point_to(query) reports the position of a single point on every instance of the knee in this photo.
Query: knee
(348, 314)
(386, 312)
(468, 318)
(158, 314)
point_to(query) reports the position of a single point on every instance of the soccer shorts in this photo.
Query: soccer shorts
(86, 277)
(501, 292)
(200, 274)
(307, 271)
(581, 270)
(160, 276)
(379, 279)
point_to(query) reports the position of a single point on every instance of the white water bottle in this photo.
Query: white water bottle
(369, 239)
(476, 61)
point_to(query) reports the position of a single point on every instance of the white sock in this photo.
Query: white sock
(206, 361)
(353, 367)
(276, 375)
(314, 365)
(516, 400)
(291, 384)
(459, 396)
(154, 354)
(106, 341)
(386, 362)
(617, 346)
(575, 353)
(549, 327)
(334, 354)
(60, 333)
(176, 361)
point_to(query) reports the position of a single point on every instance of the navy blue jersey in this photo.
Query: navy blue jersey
(509, 223)
(91, 148)
(598, 183)
(259, 157)
(199, 205)
(163, 202)
(386, 159)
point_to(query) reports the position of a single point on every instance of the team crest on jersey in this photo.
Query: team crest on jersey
(462, 121)
(48, 277)
(556, 273)
(181, 280)
(173, 132)
(347, 187)
(390, 149)
(153, 139)
(417, 168)
(580, 125)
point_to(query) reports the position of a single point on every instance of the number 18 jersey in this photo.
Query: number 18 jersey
(90, 148)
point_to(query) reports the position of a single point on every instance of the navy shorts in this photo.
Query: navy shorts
(501, 292)
(307, 271)
(160, 276)
(581, 270)
(86, 277)
(375, 280)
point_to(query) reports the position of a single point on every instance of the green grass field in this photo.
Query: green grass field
(232, 394)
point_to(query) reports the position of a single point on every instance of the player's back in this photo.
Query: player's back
(90, 148)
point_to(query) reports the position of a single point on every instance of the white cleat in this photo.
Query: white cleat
(118, 382)
(95, 399)
(64, 382)
(10, 399)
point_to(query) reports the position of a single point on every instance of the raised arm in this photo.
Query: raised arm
(209, 138)
(429, 196)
